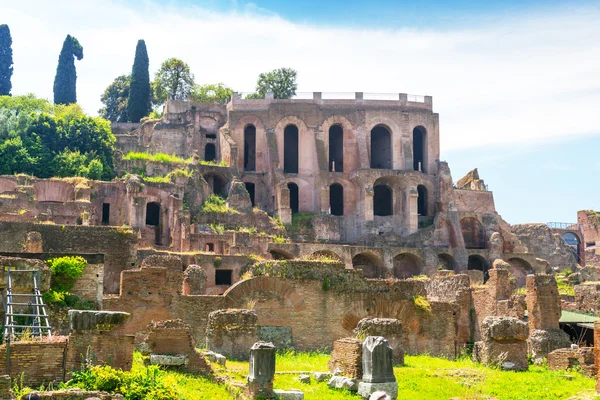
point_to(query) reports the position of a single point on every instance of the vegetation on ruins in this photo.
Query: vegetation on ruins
(565, 287)
(65, 271)
(216, 204)
(45, 140)
(281, 82)
(211, 93)
(173, 81)
(421, 303)
(65, 82)
(6, 60)
(114, 99)
(219, 229)
(156, 157)
(140, 93)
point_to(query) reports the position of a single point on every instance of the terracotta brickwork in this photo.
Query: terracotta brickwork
(543, 302)
(104, 348)
(564, 359)
(39, 362)
(347, 357)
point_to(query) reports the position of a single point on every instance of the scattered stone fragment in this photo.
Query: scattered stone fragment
(304, 378)
(292, 394)
(322, 376)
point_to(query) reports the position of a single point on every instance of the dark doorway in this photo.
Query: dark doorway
(382, 201)
(381, 148)
(419, 146)
(250, 148)
(422, 200)
(105, 213)
(290, 149)
(219, 185)
(473, 233)
(336, 199)
(336, 149)
(479, 263)
(210, 152)
(250, 189)
(152, 214)
(223, 277)
(294, 201)
(371, 266)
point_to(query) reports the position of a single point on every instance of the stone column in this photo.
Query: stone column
(283, 207)
(378, 371)
(413, 215)
(325, 200)
(262, 370)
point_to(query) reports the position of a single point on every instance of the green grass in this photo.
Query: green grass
(216, 204)
(564, 286)
(221, 163)
(156, 157)
(430, 378)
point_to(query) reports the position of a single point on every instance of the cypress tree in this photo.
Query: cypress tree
(65, 82)
(6, 61)
(138, 103)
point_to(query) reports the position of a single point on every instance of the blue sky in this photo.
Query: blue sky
(516, 83)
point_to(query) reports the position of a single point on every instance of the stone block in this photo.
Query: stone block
(366, 389)
(347, 357)
(220, 359)
(503, 328)
(342, 382)
(291, 394)
(98, 321)
(232, 332)
(544, 341)
(389, 328)
(496, 353)
(377, 360)
(304, 378)
(322, 376)
(262, 362)
(169, 360)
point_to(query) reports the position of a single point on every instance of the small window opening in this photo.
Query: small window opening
(152, 214)
(210, 247)
(250, 148)
(210, 152)
(223, 277)
(105, 213)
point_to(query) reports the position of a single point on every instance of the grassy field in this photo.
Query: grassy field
(430, 378)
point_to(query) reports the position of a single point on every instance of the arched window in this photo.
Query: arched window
(381, 148)
(153, 214)
(422, 200)
(419, 149)
(250, 189)
(382, 200)
(290, 149)
(473, 233)
(210, 152)
(294, 201)
(250, 148)
(336, 199)
(336, 149)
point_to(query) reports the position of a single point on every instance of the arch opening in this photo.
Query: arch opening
(520, 269)
(574, 243)
(369, 264)
(280, 255)
(294, 197)
(473, 233)
(477, 262)
(336, 199)
(250, 148)
(447, 262)
(381, 148)
(382, 201)
(290, 149)
(407, 265)
(336, 148)
(250, 188)
(422, 200)
(210, 152)
(419, 148)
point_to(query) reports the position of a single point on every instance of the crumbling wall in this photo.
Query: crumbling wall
(232, 332)
(545, 244)
(347, 358)
(37, 362)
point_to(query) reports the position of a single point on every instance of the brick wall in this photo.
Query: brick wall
(117, 246)
(347, 356)
(104, 348)
(40, 362)
(543, 302)
(564, 359)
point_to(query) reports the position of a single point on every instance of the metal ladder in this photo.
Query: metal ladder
(36, 312)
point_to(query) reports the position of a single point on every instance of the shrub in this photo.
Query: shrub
(65, 270)
(422, 303)
(219, 229)
(216, 204)
(279, 239)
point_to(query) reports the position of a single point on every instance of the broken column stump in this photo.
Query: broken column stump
(262, 370)
(378, 368)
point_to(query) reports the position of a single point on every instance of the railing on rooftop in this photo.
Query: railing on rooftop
(401, 97)
(563, 225)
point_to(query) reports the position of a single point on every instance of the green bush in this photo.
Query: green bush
(216, 204)
(65, 270)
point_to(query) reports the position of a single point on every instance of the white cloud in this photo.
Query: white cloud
(511, 80)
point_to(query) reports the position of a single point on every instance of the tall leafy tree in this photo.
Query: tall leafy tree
(281, 82)
(139, 101)
(65, 82)
(6, 60)
(211, 93)
(115, 100)
(173, 81)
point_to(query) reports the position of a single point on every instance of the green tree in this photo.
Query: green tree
(6, 60)
(140, 95)
(65, 82)
(212, 93)
(173, 81)
(281, 82)
(115, 100)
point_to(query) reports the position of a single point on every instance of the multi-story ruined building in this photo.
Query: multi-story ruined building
(365, 170)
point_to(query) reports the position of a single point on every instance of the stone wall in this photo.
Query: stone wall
(346, 357)
(543, 302)
(232, 332)
(545, 244)
(587, 298)
(117, 245)
(565, 359)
